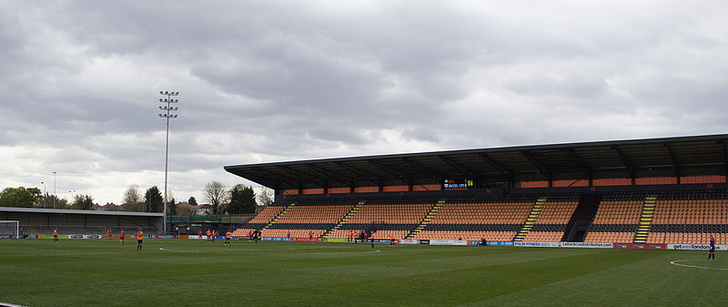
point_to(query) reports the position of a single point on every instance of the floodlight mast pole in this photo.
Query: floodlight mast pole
(45, 197)
(167, 115)
(55, 195)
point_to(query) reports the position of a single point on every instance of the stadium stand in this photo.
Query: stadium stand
(690, 217)
(476, 220)
(553, 219)
(686, 216)
(259, 221)
(649, 191)
(383, 220)
(616, 219)
(300, 220)
(37, 221)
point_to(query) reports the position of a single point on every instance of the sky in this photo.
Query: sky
(271, 81)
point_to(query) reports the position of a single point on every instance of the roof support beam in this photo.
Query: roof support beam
(358, 172)
(627, 163)
(327, 174)
(504, 171)
(424, 169)
(275, 184)
(571, 152)
(463, 170)
(676, 165)
(302, 177)
(541, 169)
(390, 171)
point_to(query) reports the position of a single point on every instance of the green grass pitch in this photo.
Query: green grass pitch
(196, 273)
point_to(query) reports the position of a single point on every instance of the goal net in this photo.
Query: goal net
(9, 229)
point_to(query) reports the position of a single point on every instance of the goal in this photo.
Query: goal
(9, 229)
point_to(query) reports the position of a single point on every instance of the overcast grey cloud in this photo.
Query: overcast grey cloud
(265, 81)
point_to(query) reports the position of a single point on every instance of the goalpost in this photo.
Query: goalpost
(9, 229)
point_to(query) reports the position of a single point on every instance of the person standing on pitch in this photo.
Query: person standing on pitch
(55, 235)
(121, 237)
(228, 235)
(140, 239)
(711, 254)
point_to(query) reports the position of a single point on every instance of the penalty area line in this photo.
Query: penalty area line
(677, 262)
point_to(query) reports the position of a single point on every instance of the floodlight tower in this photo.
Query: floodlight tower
(44, 193)
(167, 109)
(55, 194)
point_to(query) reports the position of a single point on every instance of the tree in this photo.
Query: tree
(192, 201)
(265, 197)
(21, 197)
(217, 196)
(172, 207)
(49, 200)
(242, 200)
(133, 199)
(184, 210)
(83, 202)
(153, 199)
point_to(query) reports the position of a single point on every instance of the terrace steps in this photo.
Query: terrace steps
(531, 219)
(426, 220)
(648, 214)
(279, 215)
(344, 219)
